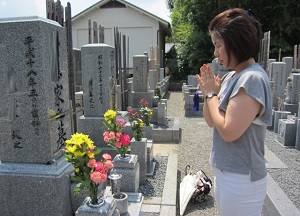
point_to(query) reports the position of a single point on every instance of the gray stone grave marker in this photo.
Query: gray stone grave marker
(33, 68)
(98, 82)
(278, 76)
(141, 81)
(140, 73)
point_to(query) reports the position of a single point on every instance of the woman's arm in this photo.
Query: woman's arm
(240, 113)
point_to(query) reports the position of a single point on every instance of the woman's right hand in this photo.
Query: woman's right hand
(207, 80)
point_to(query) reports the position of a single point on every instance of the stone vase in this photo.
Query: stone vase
(121, 200)
(139, 148)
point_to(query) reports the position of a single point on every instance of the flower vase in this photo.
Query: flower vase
(121, 200)
(97, 195)
(139, 148)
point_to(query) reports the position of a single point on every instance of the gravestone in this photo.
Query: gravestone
(35, 118)
(292, 92)
(192, 80)
(98, 83)
(269, 66)
(77, 69)
(278, 76)
(289, 65)
(141, 81)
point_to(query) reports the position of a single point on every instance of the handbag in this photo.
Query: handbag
(203, 187)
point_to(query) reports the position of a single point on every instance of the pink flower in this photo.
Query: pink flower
(118, 144)
(98, 177)
(92, 163)
(121, 122)
(106, 139)
(118, 134)
(99, 166)
(111, 135)
(125, 140)
(106, 156)
(109, 164)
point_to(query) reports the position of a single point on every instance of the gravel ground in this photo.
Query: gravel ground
(194, 149)
(153, 186)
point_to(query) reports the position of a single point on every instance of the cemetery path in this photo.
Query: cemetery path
(194, 149)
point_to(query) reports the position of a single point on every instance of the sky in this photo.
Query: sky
(19, 8)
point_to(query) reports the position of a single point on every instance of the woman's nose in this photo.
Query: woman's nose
(216, 53)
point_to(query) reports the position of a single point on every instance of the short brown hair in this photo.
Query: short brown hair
(240, 31)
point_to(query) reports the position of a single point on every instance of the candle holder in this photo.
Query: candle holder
(115, 181)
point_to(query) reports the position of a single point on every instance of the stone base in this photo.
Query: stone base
(287, 132)
(169, 133)
(107, 209)
(279, 115)
(35, 189)
(137, 96)
(135, 201)
(293, 108)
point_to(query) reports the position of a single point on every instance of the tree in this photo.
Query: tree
(190, 20)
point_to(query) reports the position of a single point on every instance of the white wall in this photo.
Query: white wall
(141, 29)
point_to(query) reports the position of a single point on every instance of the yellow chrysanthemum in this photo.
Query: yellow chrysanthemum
(71, 148)
(91, 155)
(150, 111)
(110, 115)
(78, 154)
(141, 123)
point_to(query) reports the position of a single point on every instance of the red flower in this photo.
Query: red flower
(125, 140)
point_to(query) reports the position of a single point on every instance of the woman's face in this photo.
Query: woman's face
(220, 51)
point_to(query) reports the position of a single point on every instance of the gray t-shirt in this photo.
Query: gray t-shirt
(246, 154)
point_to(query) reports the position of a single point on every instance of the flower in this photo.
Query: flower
(146, 112)
(114, 136)
(80, 152)
(136, 123)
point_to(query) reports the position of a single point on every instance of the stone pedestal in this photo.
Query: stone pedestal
(139, 148)
(107, 209)
(279, 115)
(287, 132)
(130, 170)
(35, 189)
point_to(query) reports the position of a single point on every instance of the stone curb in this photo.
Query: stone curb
(166, 205)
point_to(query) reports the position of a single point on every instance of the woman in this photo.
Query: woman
(239, 108)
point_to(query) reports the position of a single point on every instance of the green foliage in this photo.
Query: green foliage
(190, 20)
